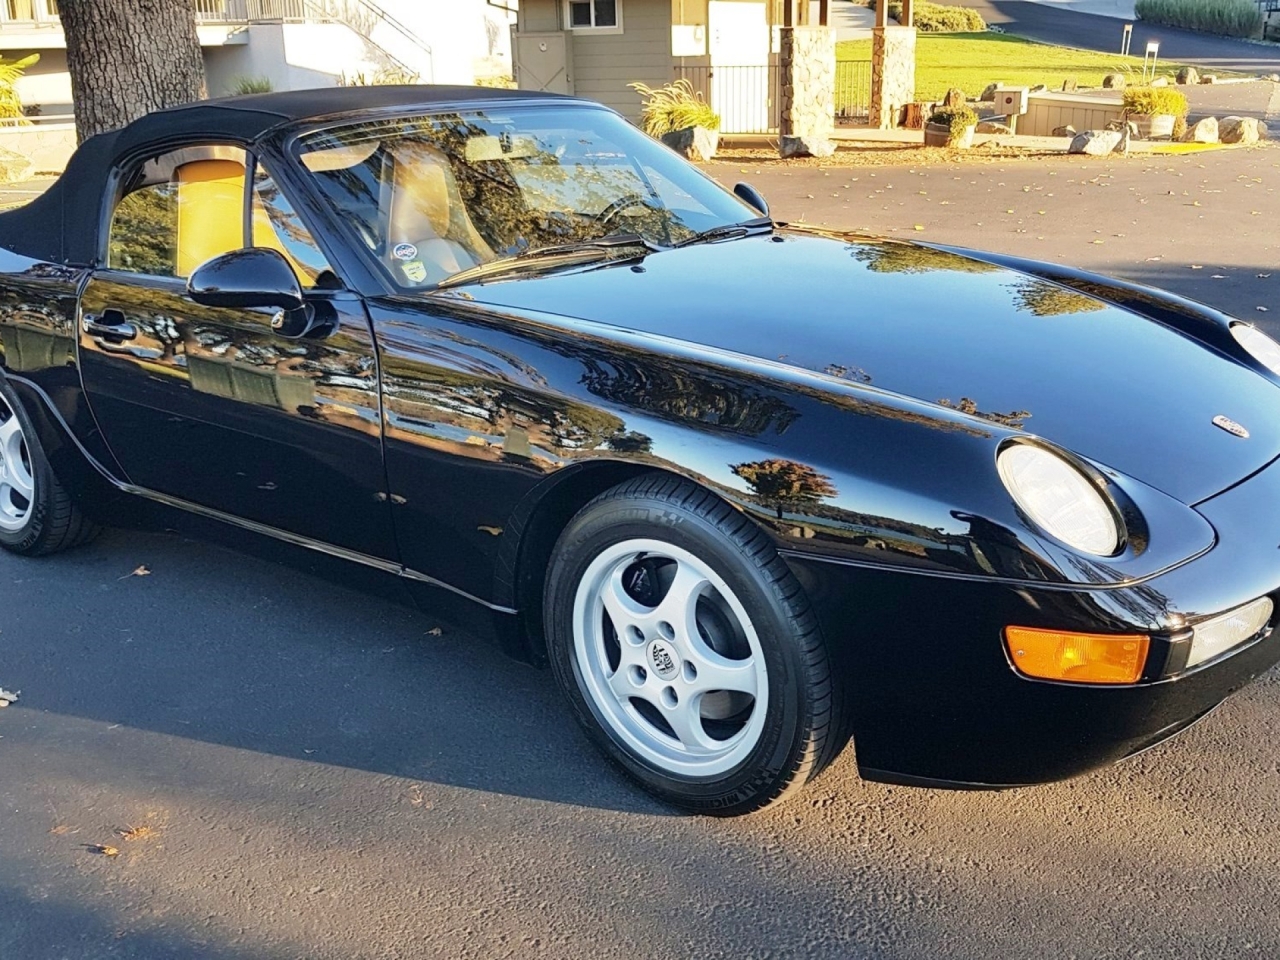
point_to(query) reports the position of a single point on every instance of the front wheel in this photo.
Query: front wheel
(687, 649)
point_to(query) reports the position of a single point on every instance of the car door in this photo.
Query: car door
(212, 406)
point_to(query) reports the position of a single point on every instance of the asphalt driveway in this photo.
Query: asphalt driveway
(288, 767)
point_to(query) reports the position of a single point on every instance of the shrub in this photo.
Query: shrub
(1228, 18)
(384, 77)
(1152, 100)
(10, 103)
(940, 18)
(245, 85)
(956, 120)
(674, 107)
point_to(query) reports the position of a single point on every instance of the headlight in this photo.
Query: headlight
(1059, 498)
(1261, 347)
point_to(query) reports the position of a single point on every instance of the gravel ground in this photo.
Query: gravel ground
(289, 768)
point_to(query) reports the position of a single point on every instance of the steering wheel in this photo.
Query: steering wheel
(617, 206)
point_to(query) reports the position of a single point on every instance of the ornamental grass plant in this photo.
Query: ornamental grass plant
(674, 107)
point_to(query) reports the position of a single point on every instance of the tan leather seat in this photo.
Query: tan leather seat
(429, 233)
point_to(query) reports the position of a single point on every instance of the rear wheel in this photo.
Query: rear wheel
(37, 516)
(687, 649)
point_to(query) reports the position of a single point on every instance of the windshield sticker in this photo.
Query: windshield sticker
(405, 251)
(414, 272)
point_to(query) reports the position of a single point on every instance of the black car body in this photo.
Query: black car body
(448, 435)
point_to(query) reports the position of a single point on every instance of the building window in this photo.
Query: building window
(601, 15)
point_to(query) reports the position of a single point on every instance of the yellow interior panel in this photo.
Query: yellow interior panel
(210, 211)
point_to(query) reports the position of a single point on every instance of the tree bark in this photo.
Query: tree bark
(129, 57)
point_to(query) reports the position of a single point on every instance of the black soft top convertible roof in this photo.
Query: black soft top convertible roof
(61, 225)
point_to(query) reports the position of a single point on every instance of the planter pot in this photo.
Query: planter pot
(1154, 126)
(939, 135)
(936, 134)
(693, 143)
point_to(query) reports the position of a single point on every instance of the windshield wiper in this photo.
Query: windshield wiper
(727, 231)
(579, 251)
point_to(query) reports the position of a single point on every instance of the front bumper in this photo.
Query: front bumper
(935, 701)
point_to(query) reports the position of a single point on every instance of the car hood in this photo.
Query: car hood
(1122, 390)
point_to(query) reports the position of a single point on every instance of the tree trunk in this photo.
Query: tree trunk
(129, 57)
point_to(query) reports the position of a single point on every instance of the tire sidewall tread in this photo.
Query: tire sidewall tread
(798, 729)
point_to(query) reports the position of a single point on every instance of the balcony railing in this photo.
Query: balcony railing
(28, 12)
(249, 11)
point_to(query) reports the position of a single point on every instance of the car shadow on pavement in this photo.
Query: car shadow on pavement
(227, 648)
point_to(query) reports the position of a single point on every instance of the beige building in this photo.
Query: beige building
(728, 49)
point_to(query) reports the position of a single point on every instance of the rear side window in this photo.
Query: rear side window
(187, 206)
(179, 210)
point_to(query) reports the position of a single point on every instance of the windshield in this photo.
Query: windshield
(432, 196)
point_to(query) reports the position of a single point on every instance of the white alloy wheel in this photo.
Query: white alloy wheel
(668, 658)
(17, 479)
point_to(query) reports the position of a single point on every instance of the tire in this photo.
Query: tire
(687, 649)
(37, 516)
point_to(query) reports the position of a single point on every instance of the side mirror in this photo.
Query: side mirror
(752, 197)
(256, 277)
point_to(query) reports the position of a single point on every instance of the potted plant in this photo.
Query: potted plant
(951, 127)
(678, 116)
(1154, 110)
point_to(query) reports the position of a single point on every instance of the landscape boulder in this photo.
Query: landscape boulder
(1113, 81)
(14, 167)
(1123, 126)
(954, 99)
(992, 126)
(1238, 130)
(1096, 143)
(989, 92)
(1202, 131)
(789, 147)
(693, 143)
(1070, 85)
(1067, 131)
(1209, 78)
(1160, 82)
(1188, 75)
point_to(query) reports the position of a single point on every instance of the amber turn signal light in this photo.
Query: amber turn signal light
(1077, 657)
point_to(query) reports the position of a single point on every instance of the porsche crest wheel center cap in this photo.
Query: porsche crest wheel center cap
(663, 660)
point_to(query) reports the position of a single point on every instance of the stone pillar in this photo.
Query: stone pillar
(808, 91)
(893, 73)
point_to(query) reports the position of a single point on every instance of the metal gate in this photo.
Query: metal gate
(853, 91)
(745, 97)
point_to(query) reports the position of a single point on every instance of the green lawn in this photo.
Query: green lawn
(970, 61)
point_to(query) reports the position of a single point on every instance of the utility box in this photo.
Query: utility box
(1011, 101)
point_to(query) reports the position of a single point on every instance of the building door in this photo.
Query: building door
(740, 65)
(542, 62)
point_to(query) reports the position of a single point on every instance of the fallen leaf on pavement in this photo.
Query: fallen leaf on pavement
(436, 632)
(102, 849)
(142, 571)
(1263, 309)
(7, 697)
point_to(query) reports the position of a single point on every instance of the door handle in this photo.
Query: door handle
(111, 326)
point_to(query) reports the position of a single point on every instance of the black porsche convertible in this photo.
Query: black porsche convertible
(748, 489)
